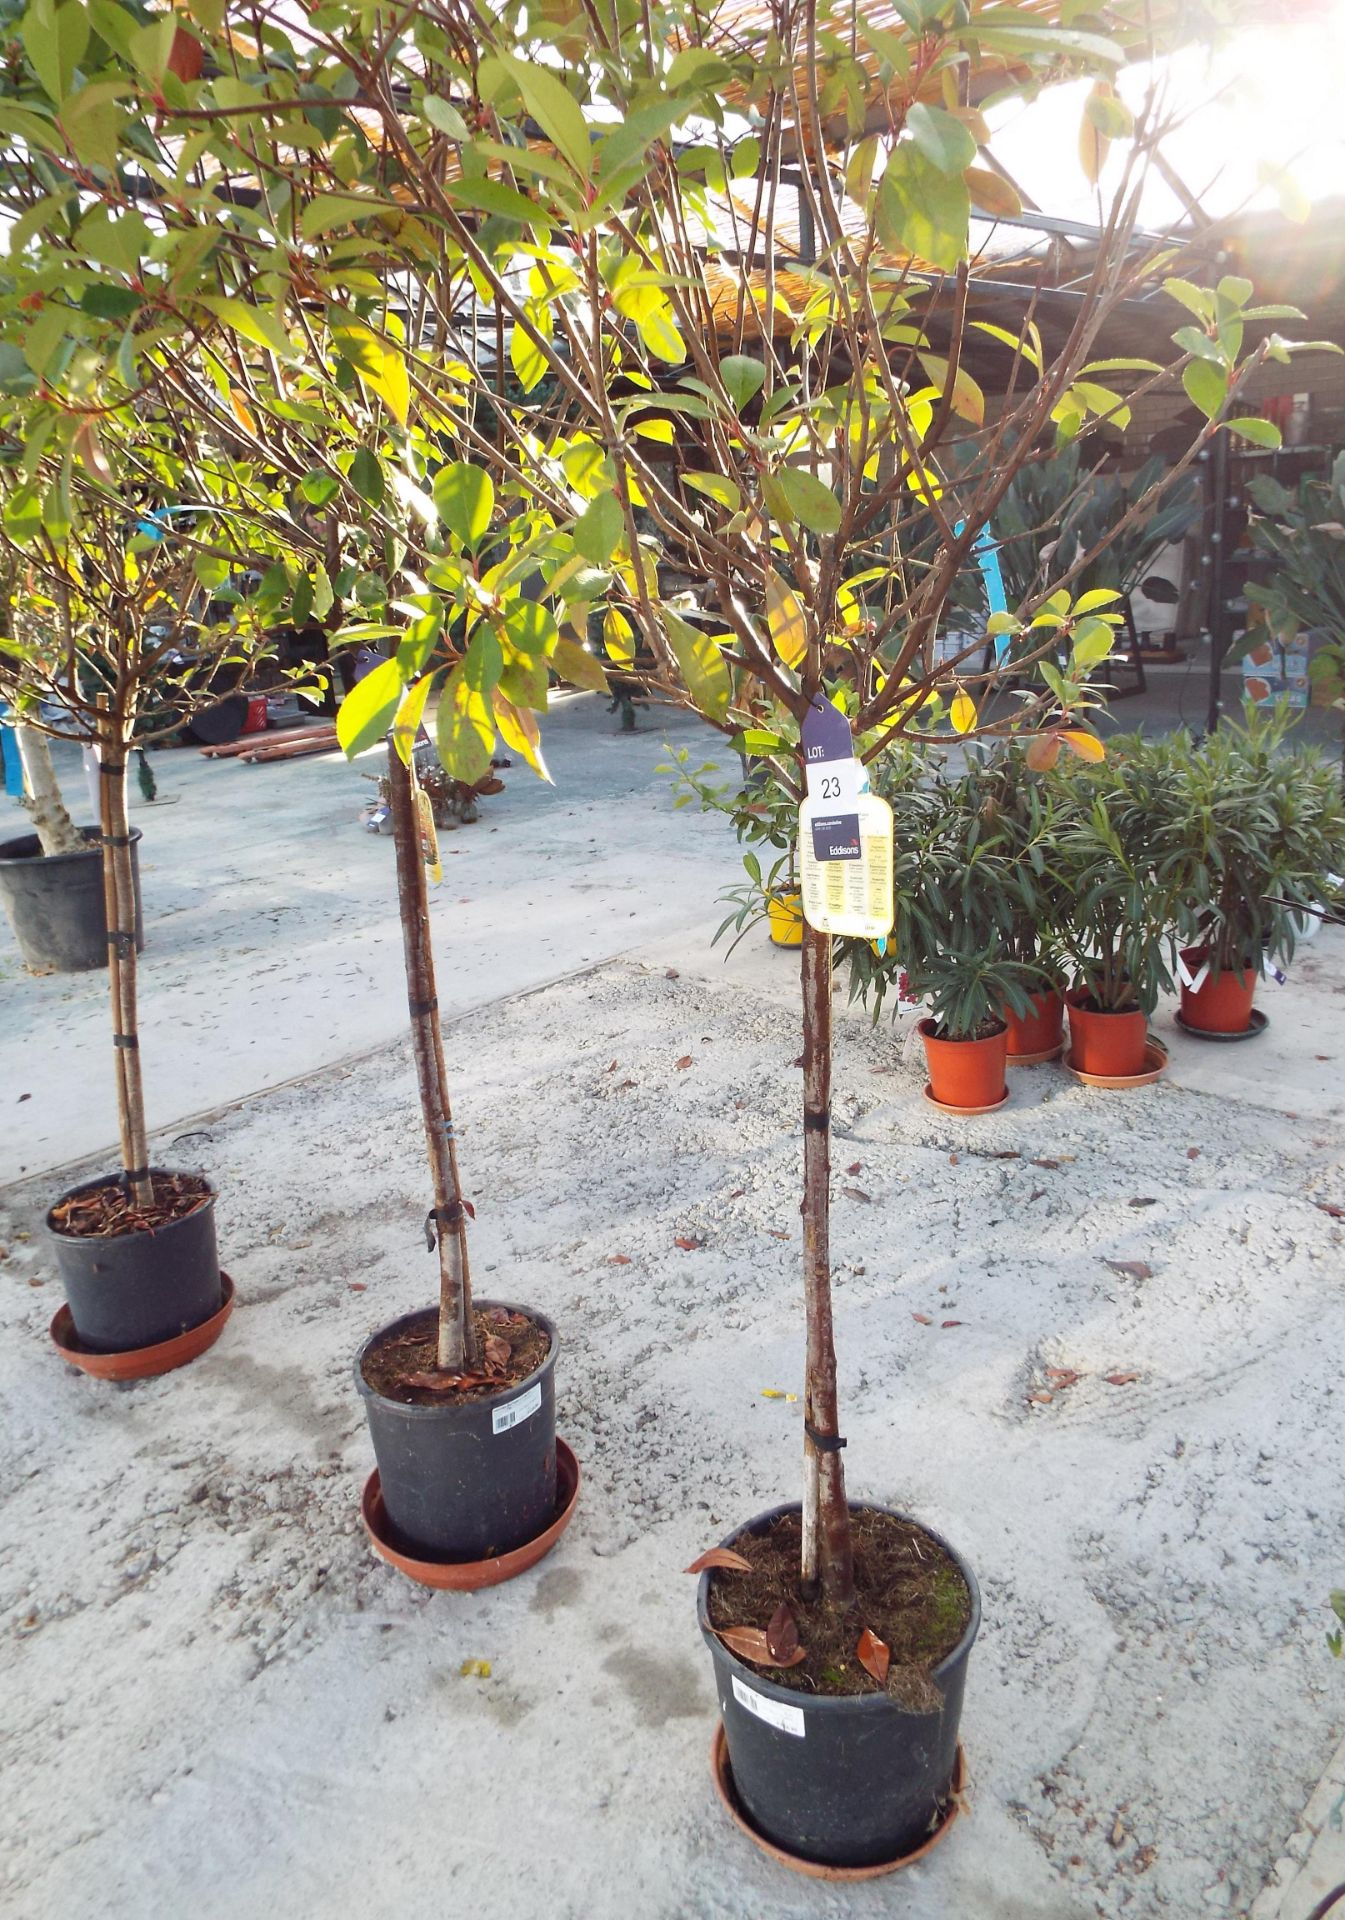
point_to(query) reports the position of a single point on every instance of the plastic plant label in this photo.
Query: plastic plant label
(774, 1712)
(849, 896)
(834, 779)
(505, 1418)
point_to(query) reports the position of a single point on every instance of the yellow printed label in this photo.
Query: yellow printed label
(849, 896)
(429, 839)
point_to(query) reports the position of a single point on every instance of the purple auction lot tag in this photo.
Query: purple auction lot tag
(833, 776)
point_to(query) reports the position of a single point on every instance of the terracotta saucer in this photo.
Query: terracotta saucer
(1155, 1065)
(816, 1869)
(142, 1363)
(1035, 1059)
(1259, 1022)
(964, 1113)
(465, 1576)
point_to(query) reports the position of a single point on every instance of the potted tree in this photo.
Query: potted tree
(651, 408)
(1257, 835)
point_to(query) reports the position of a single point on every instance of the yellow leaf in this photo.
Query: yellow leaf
(519, 730)
(786, 619)
(475, 1670)
(1086, 745)
(772, 1393)
(527, 359)
(962, 713)
(1094, 145)
(618, 636)
(242, 412)
(407, 723)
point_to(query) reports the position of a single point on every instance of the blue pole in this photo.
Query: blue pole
(9, 756)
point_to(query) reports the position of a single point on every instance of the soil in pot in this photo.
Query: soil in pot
(1038, 1031)
(55, 903)
(831, 1763)
(1104, 1040)
(970, 1072)
(466, 1461)
(1222, 1005)
(136, 1276)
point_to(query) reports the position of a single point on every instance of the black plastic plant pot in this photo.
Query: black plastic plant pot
(469, 1481)
(843, 1780)
(131, 1290)
(55, 903)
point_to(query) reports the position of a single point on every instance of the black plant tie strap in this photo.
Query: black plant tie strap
(110, 769)
(135, 1174)
(817, 1122)
(125, 1040)
(122, 943)
(449, 1216)
(419, 1007)
(117, 839)
(824, 1442)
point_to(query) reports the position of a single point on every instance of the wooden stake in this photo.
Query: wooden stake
(828, 1554)
(457, 1335)
(119, 913)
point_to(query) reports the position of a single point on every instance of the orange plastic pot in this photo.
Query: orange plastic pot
(1218, 1006)
(965, 1073)
(1039, 1032)
(1106, 1043)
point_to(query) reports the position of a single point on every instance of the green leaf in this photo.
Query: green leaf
(366, 476)
(23, 514)
(599, 528)
(465, 498)
(921, 210)
(1192, 340)
(54, 38)
(327, 211)
(369, 709)
(1195, 299)
(944, 141)
(464, 730)
(743, 378)
(494, 197)
(443, 115)
(577, 665)
(1096, 597)
(1262, 433)
(1206, 386)
(531, 628)
(256, 324)
(377, 362)
(718, 486)
(704, 674)
(812, 501)
(548, 100)
(319, 488)
(526, 358)
(1093, 641)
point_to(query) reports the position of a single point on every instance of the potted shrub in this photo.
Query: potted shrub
(1258, 838)
(1124, 885)
(1299, 535)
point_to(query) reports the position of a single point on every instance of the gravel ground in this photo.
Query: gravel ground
(218, 1701)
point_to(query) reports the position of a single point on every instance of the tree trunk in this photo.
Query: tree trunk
(457, 1337)
(119, 911)
(52, 824)
(828, 1556)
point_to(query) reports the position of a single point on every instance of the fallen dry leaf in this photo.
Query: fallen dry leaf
(798, 1062)
(952, 1323)
(1052, 1165)
(874, 1655)
(498, 1352)
(37, 1283)
(615, 1064)
(1326, 1206)
(686, 1243)
(782, 1636)
(858, 1193)
(22, 1097)
(737, 1193)
(1041, 1399)
(446, 1382)
(623, 1084)
(749, 1643)
(1193, 1153)
(1062, 1376)
(923, 1318)
(671, 973)
(1120, 1379)
(720, 1557)
(773, 1393)
(684, 1063)
(955, 1159)
(1036, 1194)
(777, 1233)
(618, 1260)
(357, 1286)
(855, 1166)
(1133, 1269)
(475, 1670)
(1144, 1201)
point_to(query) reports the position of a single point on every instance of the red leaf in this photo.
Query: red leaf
(874, 1656)
(684, 1063)
(358, 1286)
(1120, 1379)
(1325, 1206)
(858, 1193)
(615, 1064)
(1193, 1153)
(686, 1244)
(618, 1260)
(434, 1382)
(1134, 1269)
(1042, 752)
(720, 1557)
(737, 1193)
(777, 1233)
(782, 1636)
(854, 1167)
(623, 1084)
(469, 1209)
(749, 1643)
(798, 1062)
(952, 1323)
(1042, 1399)
(1063, 1376)
(955, 1159)
(923, 1318)
(1035, 1195)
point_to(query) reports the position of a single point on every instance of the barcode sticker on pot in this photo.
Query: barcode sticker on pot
(774, 1712)
(517, 1411)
